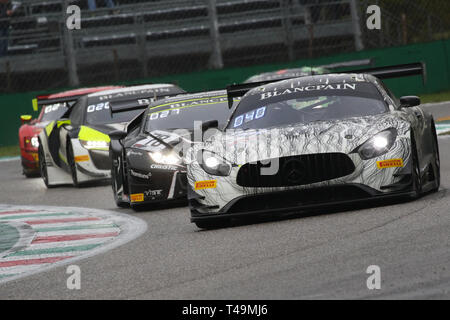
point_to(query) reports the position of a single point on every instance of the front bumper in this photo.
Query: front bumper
(295, 201)
(160, 186)
(30, 162)
(367, 180)
(92, 165)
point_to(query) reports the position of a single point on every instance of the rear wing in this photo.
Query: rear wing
(44, 100)
(389, 72)
(136, 103)
(347, 64)
(123, 106)
(397, 71)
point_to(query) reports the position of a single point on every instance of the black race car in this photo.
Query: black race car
(74, 148)
(147, 163)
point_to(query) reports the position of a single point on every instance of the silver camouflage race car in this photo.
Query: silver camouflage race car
(314, 141)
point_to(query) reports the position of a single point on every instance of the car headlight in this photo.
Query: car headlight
(92, 144)
(378, 144)
(169, 158)
(213, 164)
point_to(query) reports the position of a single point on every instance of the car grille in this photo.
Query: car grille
(298, 198)
(297, 170)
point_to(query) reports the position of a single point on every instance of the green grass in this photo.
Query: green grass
(10, 151)
(435, 97)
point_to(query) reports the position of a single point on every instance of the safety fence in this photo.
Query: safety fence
(435, 56)
(124, 40)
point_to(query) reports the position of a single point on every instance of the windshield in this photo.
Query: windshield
(305, 107)
(55, 111)
(182, 114)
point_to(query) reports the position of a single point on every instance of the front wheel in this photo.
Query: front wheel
(72, 166)
(119, 202)
(43, 166)
(416, 176)
(437, 163)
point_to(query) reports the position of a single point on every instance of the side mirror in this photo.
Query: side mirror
(118, 135)
(211, 124)
(63, 121)
(409, 101)
(25, 118)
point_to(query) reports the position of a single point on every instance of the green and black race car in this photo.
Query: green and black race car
(74, 148)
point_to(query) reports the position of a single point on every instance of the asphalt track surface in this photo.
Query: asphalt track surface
(318, 256)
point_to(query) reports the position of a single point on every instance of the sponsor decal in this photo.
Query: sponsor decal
(134, 153)
(206, 184)
(152, 193)
(193, 102)
(391, 163)
(141, 175)
(137, 197)
(321, 87)
(35, 156)
(82, 158)
(163, 167)
(131, 92)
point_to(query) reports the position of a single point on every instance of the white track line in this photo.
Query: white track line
(7, 159)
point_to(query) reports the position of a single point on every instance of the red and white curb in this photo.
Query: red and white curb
(44, 237)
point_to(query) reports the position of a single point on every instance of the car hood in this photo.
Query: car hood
(343, 136)
(161, 140)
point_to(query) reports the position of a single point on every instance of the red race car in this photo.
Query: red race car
(53, 106)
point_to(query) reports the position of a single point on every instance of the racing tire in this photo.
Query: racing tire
(120, 203)
(416, 177)
(43, 166)
(30, 174)
(72, 166)
(437, 161)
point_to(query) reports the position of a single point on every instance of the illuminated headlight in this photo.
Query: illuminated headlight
(35, 142)
(101, 145)
(213, 164)
(378, 144)
(169, 158)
